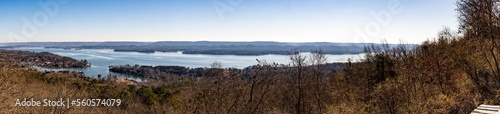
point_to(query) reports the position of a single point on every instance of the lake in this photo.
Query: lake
(100, 59)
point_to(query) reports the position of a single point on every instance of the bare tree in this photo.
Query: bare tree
(318, 61)
(480, 19)
(298, 63)
(216, 64)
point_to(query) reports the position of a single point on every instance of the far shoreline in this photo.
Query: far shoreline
(254, 48)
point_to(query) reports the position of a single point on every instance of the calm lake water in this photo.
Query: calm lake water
(102, 58)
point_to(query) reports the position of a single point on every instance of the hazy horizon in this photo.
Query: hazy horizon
(342, 21)
(196, 41)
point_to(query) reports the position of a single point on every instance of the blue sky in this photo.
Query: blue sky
(247, 20)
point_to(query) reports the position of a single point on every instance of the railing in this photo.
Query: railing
(487, 109)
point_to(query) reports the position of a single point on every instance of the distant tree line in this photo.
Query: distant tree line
(213, 48)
